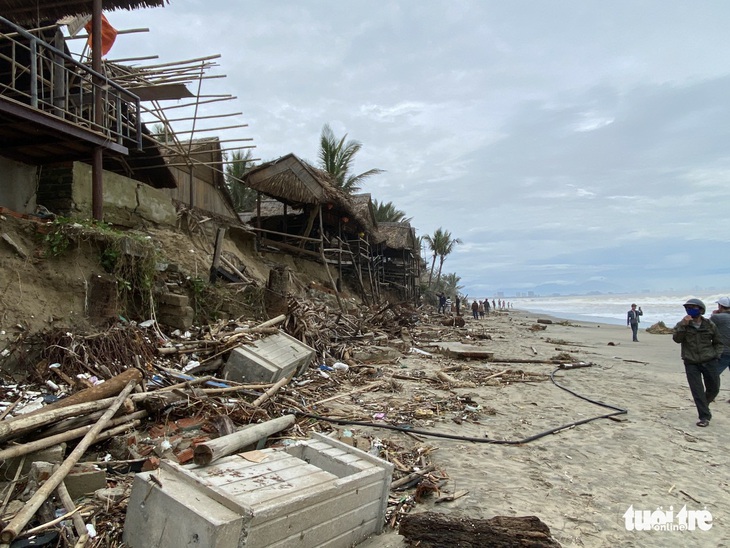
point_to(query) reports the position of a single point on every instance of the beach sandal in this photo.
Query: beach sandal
(703, 423)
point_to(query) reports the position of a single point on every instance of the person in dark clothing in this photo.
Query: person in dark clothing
(721, 318)
(701, 348)
(475, 309)
(442, 303)
(457, 301)
(632, 320)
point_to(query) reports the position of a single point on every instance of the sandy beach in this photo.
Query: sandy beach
(581, 481)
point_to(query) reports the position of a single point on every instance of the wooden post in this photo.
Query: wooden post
(97, 160)
(271, 391)
(21, 519)
(210, 451)
(324, 260)
(217, 254)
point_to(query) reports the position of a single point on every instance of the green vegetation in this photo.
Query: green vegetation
(336, 158)
(441, 245)
(130, 258)
(244, 198)
(386, 212)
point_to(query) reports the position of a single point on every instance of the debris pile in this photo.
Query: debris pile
(125, 400)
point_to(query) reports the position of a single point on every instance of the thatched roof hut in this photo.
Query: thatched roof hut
(298, 184)
(400, 236)
(33, 13)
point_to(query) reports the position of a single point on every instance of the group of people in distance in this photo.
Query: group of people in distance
(478, 308)
(705, 349)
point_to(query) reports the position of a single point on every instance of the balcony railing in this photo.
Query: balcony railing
(41, 76)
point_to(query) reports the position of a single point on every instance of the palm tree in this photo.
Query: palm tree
(434, 244)
(386, 212)
(440, 245)
(336, 157)
(451, 284)
(447, 247)
(244, 198)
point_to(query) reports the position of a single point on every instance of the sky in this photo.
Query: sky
(571, 146)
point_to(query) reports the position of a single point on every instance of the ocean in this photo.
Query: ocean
(612, 309)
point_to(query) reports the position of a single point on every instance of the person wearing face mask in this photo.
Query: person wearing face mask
(701, 348)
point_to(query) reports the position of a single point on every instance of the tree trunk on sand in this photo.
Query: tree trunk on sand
(432, 530)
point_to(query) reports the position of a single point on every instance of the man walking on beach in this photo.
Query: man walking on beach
(721, 319)
(701, 346)
(632, 321)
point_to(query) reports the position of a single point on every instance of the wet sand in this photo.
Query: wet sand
(582, 481)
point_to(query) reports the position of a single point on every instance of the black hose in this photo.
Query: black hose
(617, 411)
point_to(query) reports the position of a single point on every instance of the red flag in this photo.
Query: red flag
(108, 34)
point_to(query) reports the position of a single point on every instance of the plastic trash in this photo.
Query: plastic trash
(339, 366)
(415, 350)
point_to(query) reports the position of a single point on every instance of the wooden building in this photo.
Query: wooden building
(399, 264)
(316, 220)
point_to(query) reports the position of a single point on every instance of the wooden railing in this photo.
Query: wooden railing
(37, 74)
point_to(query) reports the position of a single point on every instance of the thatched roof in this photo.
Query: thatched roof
(30, 13)
(298, 184)
(398, 236)
(364, 206)
(295, 182)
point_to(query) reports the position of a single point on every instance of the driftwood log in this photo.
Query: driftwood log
(432, 530)
(210, 451)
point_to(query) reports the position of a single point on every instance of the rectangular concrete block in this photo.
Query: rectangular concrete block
(173, 299)
(320, 492)
(268, 360)
(84, 479)
(174, 515)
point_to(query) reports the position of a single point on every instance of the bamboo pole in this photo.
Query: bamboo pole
(271, 391)
(69, 505)
(22, 425)
(210, 451)
(21, 519)
(121, 424)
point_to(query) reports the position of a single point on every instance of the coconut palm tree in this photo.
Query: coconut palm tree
(448, 245)
(386, 212)
(244, 198)
(336, 158)
(435, 244)
(451, 284)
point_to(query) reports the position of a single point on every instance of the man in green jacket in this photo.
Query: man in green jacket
(701, 347)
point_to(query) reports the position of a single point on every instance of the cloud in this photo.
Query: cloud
(550, 137)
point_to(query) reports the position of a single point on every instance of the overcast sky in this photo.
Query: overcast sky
(574, 144)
